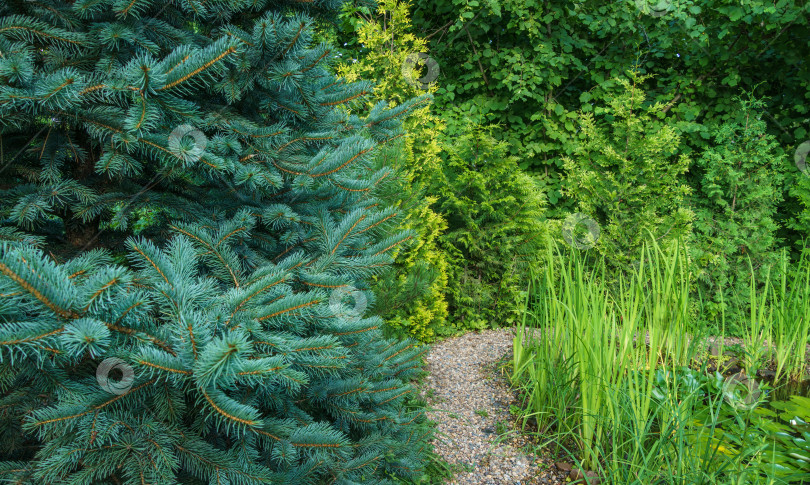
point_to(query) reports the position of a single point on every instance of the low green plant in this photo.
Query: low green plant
(784, 424)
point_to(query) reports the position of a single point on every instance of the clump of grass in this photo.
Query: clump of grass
(790, 327)
(605, 371)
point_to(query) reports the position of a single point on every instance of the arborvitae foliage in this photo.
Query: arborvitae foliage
(497, 230)
(627, 175)
(411, 295)
(741, 185)
(240, 361)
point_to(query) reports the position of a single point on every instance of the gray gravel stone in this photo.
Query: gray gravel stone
(463, 381)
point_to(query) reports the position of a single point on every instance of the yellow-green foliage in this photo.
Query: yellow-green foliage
(627, 174)
(496, 218)
(428, 313)
(412, 297)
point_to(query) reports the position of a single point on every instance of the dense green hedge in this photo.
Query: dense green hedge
(682, 121)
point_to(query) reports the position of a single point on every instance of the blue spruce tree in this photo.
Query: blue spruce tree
(189, 213)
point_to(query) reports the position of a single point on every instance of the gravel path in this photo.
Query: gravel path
(470, 401)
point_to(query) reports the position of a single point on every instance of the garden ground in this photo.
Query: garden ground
(470, 399)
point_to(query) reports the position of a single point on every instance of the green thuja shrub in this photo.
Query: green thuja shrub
(478, 217)
(797, 182)
(741, 178)
(228, 342)
(627, 176)
(411, 295)
(496, 227)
